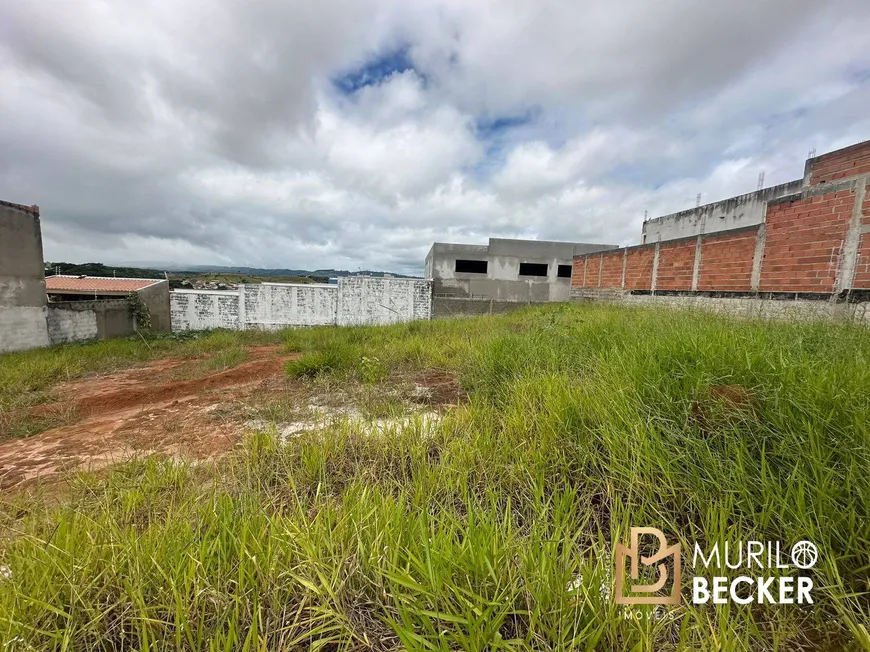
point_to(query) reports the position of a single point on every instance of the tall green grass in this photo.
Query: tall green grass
(495, 532)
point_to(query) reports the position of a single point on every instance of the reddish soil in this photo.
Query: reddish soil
(723, 404)
(140, 412)
(443, 388)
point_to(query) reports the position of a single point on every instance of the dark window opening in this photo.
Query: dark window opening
(471, 266)
(533, 269)
(564, 271)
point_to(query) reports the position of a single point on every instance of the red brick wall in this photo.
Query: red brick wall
(577, 271)
(843, 163)
(592, 266)
(862, 268)
(726, 262)
(611, 271)
(804, 239)
(638, 267)
(676, 265)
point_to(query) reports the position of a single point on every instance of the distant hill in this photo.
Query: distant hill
(99, 269)
(260, 271)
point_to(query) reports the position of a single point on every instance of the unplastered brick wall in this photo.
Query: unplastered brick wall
(611, 269)
(639, 267)
(726, 262)
(804, 242)
(841, 164)
(676, 265)
(593, 271)
(814, 242)
(862, 266)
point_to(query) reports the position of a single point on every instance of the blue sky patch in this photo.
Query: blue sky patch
(376, 70)
(491, 127)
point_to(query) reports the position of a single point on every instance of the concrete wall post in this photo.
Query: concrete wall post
(655, 270)
(624, 262)
(242, 317)
(758, 257)
(696, 270)
(849, 252)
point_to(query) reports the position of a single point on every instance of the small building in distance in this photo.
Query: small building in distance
(505, 270)
(86, 307)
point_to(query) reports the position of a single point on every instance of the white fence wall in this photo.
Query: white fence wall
(274, 305)
(372, 300)
(196, 310)
(354, 300)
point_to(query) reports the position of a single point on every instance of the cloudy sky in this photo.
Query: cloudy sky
(354, 133)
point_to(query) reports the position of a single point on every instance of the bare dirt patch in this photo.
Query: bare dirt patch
(141, 412)
(438, 388)
(721, 405)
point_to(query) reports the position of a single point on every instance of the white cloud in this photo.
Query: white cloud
(353, 133)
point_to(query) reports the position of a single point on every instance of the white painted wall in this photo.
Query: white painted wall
(71, 325)
(354, 300)
(372, 300)
(196, 310)
(276, 305)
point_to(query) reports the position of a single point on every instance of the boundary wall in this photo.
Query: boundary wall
(811, 245)
(355, 300)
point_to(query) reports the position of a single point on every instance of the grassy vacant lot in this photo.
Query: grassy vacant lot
(492, 531)
(27, 379)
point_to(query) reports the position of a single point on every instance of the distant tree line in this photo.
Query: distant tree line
(99, 269)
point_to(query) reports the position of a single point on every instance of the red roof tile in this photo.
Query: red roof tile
(96, 284)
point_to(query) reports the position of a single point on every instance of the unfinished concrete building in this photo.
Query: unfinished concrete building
(22, 279)
(505, 270)
(728, 214)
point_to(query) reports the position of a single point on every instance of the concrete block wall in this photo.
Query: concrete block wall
(354, 300)
(465, 307)
(757, 308)
(156, 298)
(23, 310)
(74, 321)
(69, 325)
